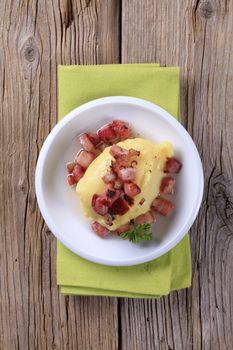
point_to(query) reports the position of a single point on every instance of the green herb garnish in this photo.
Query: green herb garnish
(138, 233)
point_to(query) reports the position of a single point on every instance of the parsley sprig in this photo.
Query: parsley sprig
(138, 233)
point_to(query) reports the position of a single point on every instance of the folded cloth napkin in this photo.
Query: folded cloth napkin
(172, 271)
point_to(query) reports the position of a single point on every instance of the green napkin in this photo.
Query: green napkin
(172, 271)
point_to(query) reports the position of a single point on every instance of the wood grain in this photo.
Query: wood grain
(35, 36)
(197, 36)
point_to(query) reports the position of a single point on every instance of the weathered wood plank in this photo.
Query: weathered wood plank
(35, 36)
(197, 36)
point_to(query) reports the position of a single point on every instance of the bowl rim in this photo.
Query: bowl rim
(39, 182)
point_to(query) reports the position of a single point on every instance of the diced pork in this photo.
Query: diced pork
(70, 167)
(172, 165)
(94, 138)
(109, 196)
(119, 153)
(119, 207)
(71, 179)
(127, 174)
(99, 229)
(84, 158)
(162, 206)
(107, 134)
(98, 206)
(76, 175)
(109, 178)
(131, 189)
(145, 218)
(86, 143)
(123, 155)
(121, 129)
(167, 185)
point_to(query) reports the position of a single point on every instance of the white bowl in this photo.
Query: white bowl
(59, 203)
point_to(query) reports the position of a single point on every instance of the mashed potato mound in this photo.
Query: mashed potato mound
(148, 177)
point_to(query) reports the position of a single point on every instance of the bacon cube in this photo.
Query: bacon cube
(84, 158)
(119, 153)
(109, 178)
(121, 129)
(162, 206)
(94, 138)
(145, 218)
(76, 175)
(71, 179)
(78, 171)
(70, 167)
(127, 174)
(167, 185)
(99, 229)
(98, 206)
(172, 165)
(109, 196)
(123, 156)
(131, 189)
(119, 207)
(106, 134)
(86, 143)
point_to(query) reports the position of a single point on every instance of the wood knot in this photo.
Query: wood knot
(29, 54)
(29, 51)
(223, 201)
(48, 232)
(23, 187)
(206, 10)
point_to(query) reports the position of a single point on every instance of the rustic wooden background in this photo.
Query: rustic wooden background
(35, 36)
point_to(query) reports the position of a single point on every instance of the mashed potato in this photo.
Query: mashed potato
(148, 177)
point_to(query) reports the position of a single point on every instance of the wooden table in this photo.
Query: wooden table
(35, 36)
